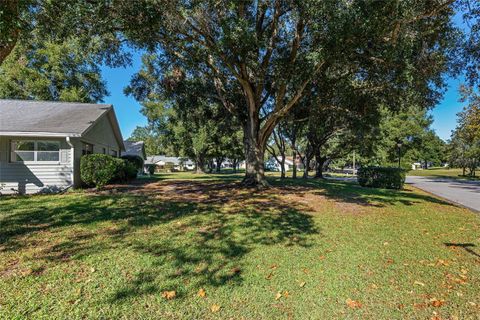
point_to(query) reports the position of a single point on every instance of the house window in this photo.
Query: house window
(87, 148)
(113, 153)
(104, 151)
(35, 151)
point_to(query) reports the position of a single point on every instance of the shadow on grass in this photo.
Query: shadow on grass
(465, 246)
(185, 234)
(201, 231)
(351, 192)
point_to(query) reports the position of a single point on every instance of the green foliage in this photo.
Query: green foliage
(99, 169)
(137, 161)
(464, 147)
(381, 177)
(52, 71)
(151, 136)
(151, 169)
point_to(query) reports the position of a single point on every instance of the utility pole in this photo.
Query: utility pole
(354, 162)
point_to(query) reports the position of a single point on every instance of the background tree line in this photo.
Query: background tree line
(326, 76)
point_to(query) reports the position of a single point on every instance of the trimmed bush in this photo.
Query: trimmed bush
(98, 169)
(151, 169)
(137, 161)
(381, 177)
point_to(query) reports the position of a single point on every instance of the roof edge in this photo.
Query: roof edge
(38, 134)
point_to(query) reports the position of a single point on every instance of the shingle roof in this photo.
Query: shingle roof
(174, 160)
(134, 148)
(49, 117)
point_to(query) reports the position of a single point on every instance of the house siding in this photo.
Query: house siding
(17, 177)
(101, 136)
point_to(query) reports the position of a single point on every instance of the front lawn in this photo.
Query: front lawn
(201, 247)
(454, 173)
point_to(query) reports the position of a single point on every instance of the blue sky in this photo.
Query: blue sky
(129, 116)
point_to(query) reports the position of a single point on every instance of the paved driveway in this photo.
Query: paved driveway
(463, 192)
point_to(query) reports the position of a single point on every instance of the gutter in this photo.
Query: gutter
(72, 159)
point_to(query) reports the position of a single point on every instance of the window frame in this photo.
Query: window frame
(35, 151)
(85, 150)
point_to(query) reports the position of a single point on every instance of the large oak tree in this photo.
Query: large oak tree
(270, 52)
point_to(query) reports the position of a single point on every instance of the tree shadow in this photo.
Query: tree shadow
(351, 192)
(204, 231)
(464, 246)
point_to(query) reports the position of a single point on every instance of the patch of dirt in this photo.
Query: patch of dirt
(233, 196)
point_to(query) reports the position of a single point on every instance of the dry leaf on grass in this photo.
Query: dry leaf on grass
(434, 302)
(302, 284)
(215, 308)
(169, 295)
(418, 283)
(353, 304)
(278, 295)
(202, 293)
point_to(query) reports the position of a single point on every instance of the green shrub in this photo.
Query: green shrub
(151, 169)
(98, 169)
(137, 161)
(125, 171)
(131, 171)
(381, 177)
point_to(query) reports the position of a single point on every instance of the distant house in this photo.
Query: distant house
(273, 165)
(134, 148)
(41, 142)
(164, 163)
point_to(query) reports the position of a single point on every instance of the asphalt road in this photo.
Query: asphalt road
(463, 192)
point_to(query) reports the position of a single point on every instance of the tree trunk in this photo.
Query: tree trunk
(254, 155)
(282, 167)
(307, 167)
(9, 39)
(294, 169)
(234, 165)
(218, 164)
(319, 161)
(200, 165)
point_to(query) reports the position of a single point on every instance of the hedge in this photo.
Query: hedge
(100, 169)
(381, 177)
(137, 161)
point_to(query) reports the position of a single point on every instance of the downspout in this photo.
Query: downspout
(72, 159)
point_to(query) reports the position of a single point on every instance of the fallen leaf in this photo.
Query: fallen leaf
(269, 276)
(302, 284)
(169, 295)
(236, 270)
(273, 266)
(353, 304)
(322, 257)
(418, 283)
(92, 269)
(278, 295)
(436, 302)
(202, 293)
(215, 308)
(385, 243)
(286, 294)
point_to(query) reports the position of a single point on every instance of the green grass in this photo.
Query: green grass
(454, 173)
(113, 254)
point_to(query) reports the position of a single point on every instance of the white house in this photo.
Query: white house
(273, 165)
(163, 162)
(134, 148)
(41, 142)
